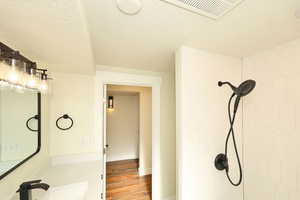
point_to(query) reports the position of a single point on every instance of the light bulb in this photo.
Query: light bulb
(24, 76)
(43, 86)
(31, 81)
(4, 68)
(13, 75)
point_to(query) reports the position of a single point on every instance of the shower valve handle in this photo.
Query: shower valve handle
(221, 162)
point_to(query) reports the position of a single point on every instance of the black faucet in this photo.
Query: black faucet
(26, 187)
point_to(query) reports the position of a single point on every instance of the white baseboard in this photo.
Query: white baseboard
(144, 172)
(170, 198)
(118, 158)
(76, 158)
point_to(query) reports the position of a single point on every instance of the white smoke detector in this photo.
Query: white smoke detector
(129, 7)
(209, 8)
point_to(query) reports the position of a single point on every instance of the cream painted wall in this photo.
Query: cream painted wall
(145, 146)
(272, 124)
(168, 135)
(145, 125)
(123, 127)
(73, 94)
(32, 169)
(202, 124)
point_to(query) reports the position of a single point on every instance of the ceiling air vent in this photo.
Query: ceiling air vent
(210, 8)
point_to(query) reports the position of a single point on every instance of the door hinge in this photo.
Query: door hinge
(101, 176)
(101, 195)
(104, 150)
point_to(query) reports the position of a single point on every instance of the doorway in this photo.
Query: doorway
(128, 142)
(103, 78)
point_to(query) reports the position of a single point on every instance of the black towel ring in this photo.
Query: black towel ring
(27, 123)
(65, 116)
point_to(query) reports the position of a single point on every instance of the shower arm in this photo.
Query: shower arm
(220, 84)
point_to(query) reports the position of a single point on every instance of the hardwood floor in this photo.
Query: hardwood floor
(124, 183)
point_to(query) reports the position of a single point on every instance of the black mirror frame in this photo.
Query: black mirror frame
(39, 139)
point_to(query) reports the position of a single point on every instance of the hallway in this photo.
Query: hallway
(124, 183)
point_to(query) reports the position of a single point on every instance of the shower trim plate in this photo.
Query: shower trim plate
(221, 162)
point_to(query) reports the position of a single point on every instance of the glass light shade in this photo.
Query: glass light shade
(14, 74)
(32, 82)
(24, 76)
(4, 69)
(43, 86)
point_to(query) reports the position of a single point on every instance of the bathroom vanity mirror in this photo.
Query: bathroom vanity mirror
(20, 127)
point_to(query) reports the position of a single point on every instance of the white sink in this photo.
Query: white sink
(75, 191)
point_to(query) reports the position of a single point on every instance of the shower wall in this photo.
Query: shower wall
(268, 136)
(272, 124)
(202, 124)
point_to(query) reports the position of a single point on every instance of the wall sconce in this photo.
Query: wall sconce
(110, 105)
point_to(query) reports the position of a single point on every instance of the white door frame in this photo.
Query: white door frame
(104, 135)
(119, 78)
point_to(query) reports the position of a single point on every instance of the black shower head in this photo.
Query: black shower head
(244, 88)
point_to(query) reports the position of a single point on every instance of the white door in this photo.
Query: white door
(104, 141)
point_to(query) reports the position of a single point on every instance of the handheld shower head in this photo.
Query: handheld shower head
(244, 88)
(221, 161)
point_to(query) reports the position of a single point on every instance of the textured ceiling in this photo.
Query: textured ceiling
(74, 34)
(149, 39)
(52, 31)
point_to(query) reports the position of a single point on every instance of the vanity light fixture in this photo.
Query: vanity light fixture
(19, 72)
(110, 105)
